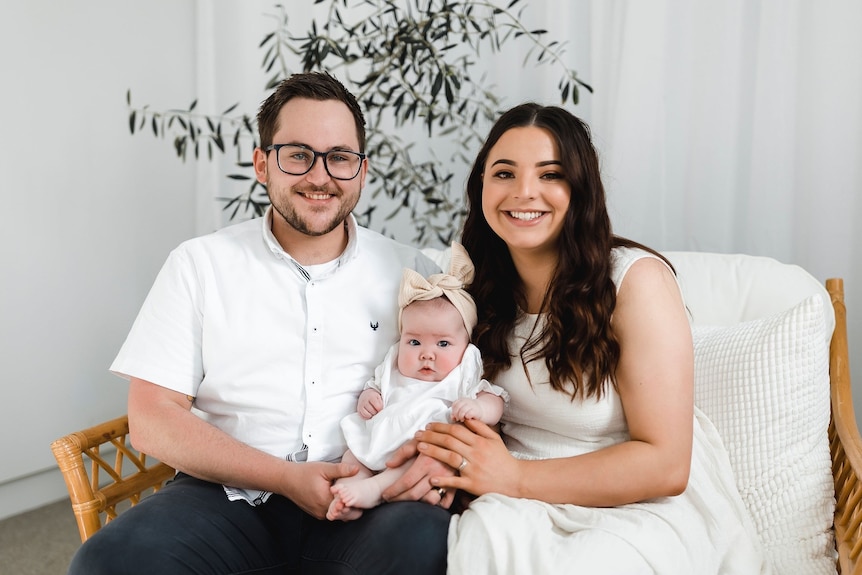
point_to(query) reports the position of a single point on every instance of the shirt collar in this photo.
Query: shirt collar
(348, 254)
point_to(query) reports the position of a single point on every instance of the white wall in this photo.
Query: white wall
(87, 213)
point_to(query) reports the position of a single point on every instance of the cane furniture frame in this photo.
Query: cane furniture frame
(104, 473)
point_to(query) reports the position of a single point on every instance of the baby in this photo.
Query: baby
(433, 373)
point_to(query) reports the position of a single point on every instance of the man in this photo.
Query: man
(251, 346)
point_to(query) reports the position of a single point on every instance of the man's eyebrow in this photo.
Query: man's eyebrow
(341, 148)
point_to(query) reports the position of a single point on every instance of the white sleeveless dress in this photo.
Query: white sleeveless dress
(704, 531)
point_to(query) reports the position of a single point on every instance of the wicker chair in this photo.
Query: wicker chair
(127, 476)
(846, 444)
(90, 500)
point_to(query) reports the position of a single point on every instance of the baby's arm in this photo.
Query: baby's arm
(370, 403)
(487, 407)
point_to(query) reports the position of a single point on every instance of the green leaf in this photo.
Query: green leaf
(266, 39)
(231, 202)
(180, 146)
(396, 105)
(438, 83)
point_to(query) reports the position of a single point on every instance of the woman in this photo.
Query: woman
(606, 465)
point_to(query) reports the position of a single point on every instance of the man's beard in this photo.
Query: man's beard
(295, 220)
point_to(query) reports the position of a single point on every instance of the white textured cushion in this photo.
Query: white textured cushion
(725, 289)
(765, 385)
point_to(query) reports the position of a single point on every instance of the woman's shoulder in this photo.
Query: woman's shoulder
(623, 258)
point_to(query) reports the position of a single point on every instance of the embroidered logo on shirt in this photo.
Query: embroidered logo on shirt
(374, 325)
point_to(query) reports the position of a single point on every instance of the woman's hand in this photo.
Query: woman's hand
(477, 452)
(415, 484)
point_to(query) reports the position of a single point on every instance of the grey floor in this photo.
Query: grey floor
(39, 542)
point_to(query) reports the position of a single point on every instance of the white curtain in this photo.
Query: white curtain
(736, 126)
(732, 126)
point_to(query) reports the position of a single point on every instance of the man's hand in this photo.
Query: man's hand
(310, 485)
(415, 483)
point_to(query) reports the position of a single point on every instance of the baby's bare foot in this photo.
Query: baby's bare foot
(338, 511)
(363, 494)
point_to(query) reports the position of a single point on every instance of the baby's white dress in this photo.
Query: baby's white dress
(704, 531)
(409, 404)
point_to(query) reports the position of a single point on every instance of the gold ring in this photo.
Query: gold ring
(441, 491)
(464, 463)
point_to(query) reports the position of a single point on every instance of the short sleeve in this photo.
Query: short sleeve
(164, 344)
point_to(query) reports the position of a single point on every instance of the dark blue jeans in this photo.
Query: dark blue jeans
(190, 527)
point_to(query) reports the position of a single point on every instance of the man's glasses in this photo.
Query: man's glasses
(298, 160)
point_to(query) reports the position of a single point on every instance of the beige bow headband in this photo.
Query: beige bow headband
(414, 287)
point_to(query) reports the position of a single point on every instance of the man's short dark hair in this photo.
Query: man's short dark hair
(311, 85)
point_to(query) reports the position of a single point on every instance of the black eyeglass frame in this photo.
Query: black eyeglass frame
(315, 155)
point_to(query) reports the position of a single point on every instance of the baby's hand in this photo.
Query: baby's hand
(370, 403)
(464, 408)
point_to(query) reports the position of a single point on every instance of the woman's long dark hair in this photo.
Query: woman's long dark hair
(577, 342)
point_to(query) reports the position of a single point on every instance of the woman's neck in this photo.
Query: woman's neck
(535, 272)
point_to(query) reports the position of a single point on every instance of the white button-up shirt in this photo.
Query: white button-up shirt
(273, 353)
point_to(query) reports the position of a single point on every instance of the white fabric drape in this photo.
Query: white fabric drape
(735, 127)
(710, 117)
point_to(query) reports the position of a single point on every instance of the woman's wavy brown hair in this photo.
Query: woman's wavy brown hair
(577, 343)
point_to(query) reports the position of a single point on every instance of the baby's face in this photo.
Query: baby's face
(433, 340)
